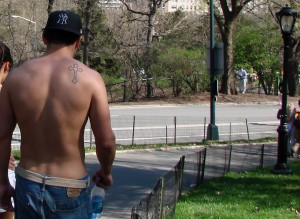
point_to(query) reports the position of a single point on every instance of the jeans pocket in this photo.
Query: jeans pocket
(69, 207)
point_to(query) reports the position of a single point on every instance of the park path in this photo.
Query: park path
(136, 173)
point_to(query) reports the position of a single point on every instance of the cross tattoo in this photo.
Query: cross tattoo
(75, 69)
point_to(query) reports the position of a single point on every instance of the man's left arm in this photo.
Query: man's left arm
(99, 116)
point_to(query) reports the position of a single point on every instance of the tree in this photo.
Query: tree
(90, 4)
(22, 28)
(184, 30)
(293, 79)
(182, 69)
(150, 13)
(227, 22)
(293, 62)
(252, 50)
(227, 19)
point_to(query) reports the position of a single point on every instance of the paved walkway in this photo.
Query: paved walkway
(136, 173)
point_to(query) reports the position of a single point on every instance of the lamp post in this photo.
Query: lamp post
(212, 129)
(286, 18)
(34, 44)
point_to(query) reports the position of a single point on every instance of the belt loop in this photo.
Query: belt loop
(88, 182)
(44, 183)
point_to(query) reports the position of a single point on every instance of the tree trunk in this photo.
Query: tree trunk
(292, 77)
(88, 19)
(228, 85)
(294, 65)
(50, 6)
(151, 13)
(227, 26)
(150, 33)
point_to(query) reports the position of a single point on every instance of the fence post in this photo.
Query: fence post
(166, 134)
(230, 133)
(229, 161)
(175, 121)
(134, 215)
(203, 164)
(199, 159)
(161, 201)
(204, 135)
(262, 156)
(247, 130)
(133, 128)
(180, 179)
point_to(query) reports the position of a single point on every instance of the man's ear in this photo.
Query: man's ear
(77, 43)
(45, 40)
(6, 66)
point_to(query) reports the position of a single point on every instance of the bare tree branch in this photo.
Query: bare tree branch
(50, 6)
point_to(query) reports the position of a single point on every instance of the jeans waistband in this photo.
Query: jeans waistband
(52, 181)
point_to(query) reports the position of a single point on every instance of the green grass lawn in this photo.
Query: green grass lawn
(255, 194)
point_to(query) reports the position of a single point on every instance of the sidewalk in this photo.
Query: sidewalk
(136, 173)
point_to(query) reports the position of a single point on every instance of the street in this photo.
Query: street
(159, 124)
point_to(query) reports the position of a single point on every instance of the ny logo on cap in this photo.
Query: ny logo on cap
(62, 18)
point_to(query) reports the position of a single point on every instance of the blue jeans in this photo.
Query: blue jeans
(39, 201)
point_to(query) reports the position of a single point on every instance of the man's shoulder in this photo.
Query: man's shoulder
(26, 66)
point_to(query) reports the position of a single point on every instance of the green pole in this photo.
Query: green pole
(212, 130)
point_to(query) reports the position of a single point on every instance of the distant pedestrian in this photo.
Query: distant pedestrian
(243, 75)
(296, 125)
(291, 110)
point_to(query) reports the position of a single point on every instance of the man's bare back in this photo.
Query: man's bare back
(51, 97)
(52, 110)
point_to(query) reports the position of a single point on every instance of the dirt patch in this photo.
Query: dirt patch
(204, 98)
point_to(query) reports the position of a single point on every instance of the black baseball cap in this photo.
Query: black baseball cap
(66, 21)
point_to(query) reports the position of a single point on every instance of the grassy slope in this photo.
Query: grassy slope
(255, 194)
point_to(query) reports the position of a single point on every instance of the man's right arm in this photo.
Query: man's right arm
(104, 137)
(8, 123)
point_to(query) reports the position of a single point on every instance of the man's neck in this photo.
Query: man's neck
(60, 50)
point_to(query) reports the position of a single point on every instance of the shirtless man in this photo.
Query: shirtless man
(6, 63)
(51, 98)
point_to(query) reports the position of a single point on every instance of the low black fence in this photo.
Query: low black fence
(193, 169)
(141, 130)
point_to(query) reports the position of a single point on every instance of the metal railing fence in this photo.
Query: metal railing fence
(139, 130)
(186, 174)
(191, 170)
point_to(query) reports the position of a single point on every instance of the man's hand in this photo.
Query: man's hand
(6, 193)
(11, 164)
(101, 179)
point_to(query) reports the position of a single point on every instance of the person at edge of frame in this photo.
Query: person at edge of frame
(6, 63)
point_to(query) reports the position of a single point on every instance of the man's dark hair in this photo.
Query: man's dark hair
(5, 55)
(60, 37)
